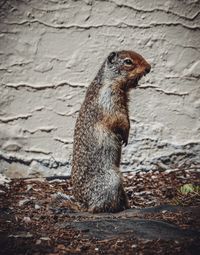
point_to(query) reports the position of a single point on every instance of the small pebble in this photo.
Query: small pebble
(26, 219)
(37, 207)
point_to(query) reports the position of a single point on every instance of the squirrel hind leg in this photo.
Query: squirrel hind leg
(109, 206)
(108, 199)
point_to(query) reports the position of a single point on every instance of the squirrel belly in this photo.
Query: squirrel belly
(101, 129)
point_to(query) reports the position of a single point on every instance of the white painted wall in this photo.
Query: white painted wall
(50, 51)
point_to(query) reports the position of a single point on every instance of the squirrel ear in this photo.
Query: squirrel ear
(112, 56)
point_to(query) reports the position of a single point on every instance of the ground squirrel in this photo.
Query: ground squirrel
(101, 129)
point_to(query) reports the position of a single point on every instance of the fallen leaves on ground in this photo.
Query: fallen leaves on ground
(29, 225)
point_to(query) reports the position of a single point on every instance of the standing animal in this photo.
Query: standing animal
(101, 129)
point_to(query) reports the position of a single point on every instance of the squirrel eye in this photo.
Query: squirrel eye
(127, 61)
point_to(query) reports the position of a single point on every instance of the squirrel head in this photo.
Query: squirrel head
(126, 67)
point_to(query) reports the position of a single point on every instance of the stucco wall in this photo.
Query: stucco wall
(50, 51)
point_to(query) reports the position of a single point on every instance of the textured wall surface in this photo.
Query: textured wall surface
(50, 51)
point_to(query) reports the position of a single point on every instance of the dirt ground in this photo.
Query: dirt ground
(163, 219)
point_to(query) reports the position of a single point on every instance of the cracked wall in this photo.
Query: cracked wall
(51, 50)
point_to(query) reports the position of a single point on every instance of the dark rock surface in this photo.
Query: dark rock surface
(123, 228)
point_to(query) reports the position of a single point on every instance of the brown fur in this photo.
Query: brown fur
(101, 129)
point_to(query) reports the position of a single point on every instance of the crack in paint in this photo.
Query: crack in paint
(27, 162)
(42, 87)
(156, 10)
(87, 27)
(64, 141)
(38, 151)
(171, 93)
(40, 129)
(13, 118)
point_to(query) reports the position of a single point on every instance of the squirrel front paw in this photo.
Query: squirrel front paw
(122, 135)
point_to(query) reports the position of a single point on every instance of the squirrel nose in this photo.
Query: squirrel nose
(147, 69)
